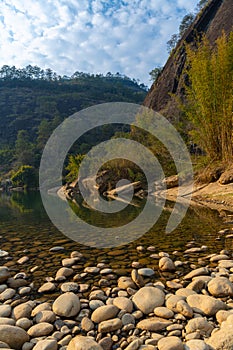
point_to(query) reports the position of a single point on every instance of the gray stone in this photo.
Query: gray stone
(8, 293)
(24, 323)
(146, 272)
(69, 287)
(4, 274)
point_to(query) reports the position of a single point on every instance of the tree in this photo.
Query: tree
(210, 97)
(24, 151)
(74, 163)
(185, 23)
(201, 4)
(26, 176)
(171, 44)
(155, 73)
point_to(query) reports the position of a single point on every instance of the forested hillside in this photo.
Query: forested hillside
(34, 101)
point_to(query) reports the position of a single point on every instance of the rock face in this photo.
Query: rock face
(215, 18)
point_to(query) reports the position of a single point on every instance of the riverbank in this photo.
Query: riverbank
(179, 301)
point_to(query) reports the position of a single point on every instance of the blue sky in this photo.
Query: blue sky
(95, 36)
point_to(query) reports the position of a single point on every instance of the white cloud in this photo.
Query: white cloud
(90, 35)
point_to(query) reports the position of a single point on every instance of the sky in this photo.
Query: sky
(93, 36)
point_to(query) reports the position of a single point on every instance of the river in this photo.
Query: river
(25, 229)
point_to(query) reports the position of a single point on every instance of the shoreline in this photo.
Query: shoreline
(179, 301)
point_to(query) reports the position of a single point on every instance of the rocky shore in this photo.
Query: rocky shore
(189, 307)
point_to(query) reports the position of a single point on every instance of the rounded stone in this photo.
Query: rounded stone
(148, 298)
(4, 273)
(5, 310)
(66, 305)
(110, 325)
(45, 316)
(14, 336)
(24, 323)
(47, 287)
(170, 343)
(146, 272)
(104, 313)
(220, 287)
(205, 304)
(21, 311)
(40, 330)
(196, 344)
(46, 344)
(166, 264)
(80, 343)
(123, 303)
(153, 324)
(163, 312)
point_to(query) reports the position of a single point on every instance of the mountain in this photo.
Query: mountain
(211, 21)
(33, 102)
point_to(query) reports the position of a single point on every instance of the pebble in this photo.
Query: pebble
(147, 298)
(66, 305)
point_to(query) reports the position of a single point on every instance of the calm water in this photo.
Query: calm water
(25, 229)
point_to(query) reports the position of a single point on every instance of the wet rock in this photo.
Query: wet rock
(23, 260)
(126, 282)
(146, 272)
(64, 272)
(4, 273)
(148, 298)
(66, 305)
(14, 336)
(137, 278)
(166, 264)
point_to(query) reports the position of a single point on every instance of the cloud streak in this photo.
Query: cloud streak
(90, 35)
